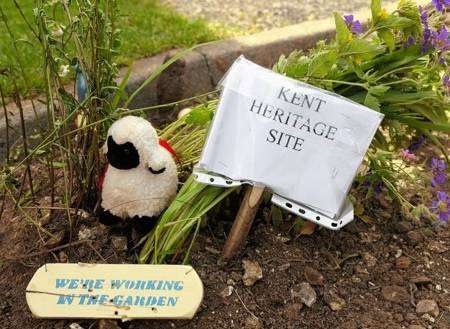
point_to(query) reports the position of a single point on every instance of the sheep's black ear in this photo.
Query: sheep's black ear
(122, 156)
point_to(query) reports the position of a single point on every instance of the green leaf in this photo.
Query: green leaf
(276, 215)
(343, 34)
(299, 69)
(364, 49)
(372, 102)
(378, 90)
(388, 37)
(322, 63)
(376, 10)
(395, 22)
(199, 116)
(120, 92)
(58, 165)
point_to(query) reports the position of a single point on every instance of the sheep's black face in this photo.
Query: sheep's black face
(122, 156)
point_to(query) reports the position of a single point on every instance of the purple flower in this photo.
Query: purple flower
(438, 164)
(441, 206)
(426, 39)
(354, 25)
(438, 168)
(440, 5)
(423, 17)
(440, 39)
(410, 41)
(416, 143)
(446, 83)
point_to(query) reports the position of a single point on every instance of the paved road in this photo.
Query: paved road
(256, 15)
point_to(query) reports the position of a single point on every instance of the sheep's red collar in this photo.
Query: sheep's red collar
(163, 144)
(169, 148)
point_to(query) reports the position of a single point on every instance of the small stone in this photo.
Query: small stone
(252, 323)
(292, 311)
(428, 318)
(402, 262)
(86, 233)
(252, 272)
(395, 294)
(306, 294)
(284, 267)
(282, 239)
(333, 300)
(83, 214)
(63, 258)
(75, 326)
(360, 269)
(369, 259)
(356, 279)
(226, 292)
(398, 253)
(230, 282)
(119, 243)
(420, 279)
(427, 306)
(313, 276)
(403, 227)
(437, 247)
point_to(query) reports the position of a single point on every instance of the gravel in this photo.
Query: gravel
(249, 16)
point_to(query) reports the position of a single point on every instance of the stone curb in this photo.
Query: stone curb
(196, 73)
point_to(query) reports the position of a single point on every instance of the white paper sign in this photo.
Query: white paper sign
(301, 141)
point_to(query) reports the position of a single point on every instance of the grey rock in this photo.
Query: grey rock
(252, 272)
(252, 323)
(305, 293)
(313, 276)
(119, 243)
(226, 292)
(369, 259)
(427, 306)
(334, 301)
(420, 279)
(395, 294)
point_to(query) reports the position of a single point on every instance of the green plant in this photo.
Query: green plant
(392, 68)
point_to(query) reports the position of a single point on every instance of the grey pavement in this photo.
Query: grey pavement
(249, 16)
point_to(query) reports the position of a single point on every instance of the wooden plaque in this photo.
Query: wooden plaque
(122, 291)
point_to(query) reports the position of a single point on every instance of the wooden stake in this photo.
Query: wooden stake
(243, 221)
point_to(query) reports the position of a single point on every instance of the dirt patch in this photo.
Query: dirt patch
(365, 276)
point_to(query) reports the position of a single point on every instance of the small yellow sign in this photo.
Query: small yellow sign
(121, 291)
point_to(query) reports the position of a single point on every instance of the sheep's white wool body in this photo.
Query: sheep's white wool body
(137, 191)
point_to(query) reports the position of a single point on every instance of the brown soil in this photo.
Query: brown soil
(372, 268)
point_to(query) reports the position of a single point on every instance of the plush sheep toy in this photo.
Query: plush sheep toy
(141, 177)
